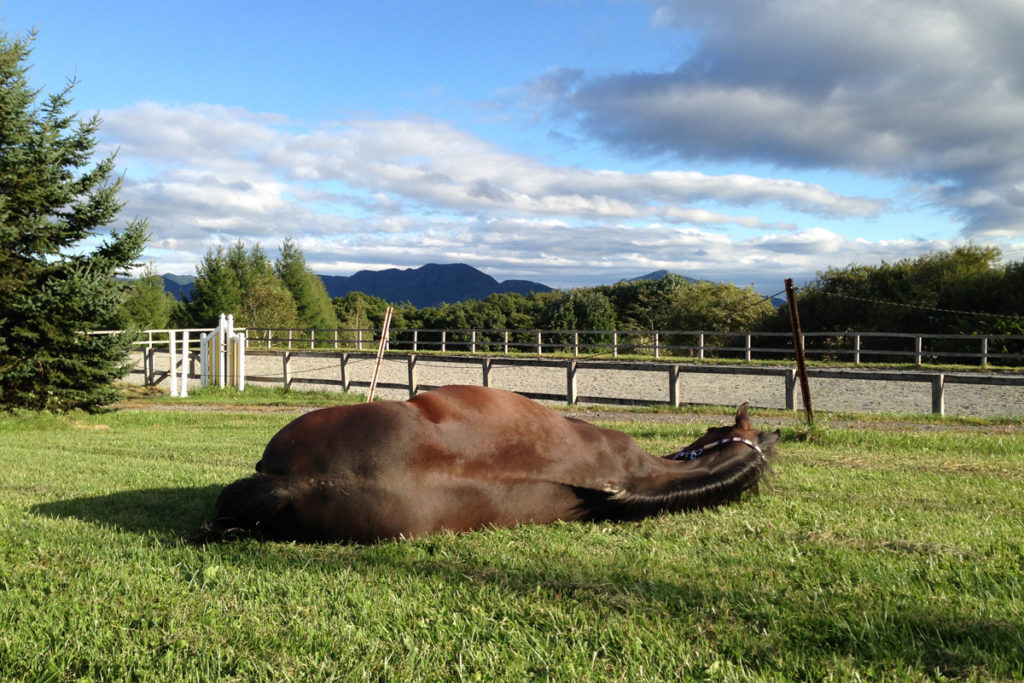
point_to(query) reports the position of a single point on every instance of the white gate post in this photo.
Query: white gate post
(185, 360)
(174, 362)
(240, 361)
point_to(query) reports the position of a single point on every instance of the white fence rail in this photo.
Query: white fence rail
(854, 347)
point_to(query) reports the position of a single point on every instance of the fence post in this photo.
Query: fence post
(657, 345)
(415, 341)
(540, 348)
(344, 372)
(414, 384)
(939, 394)
(186, 361)
(171, 346)
(486, 367)
(286, 370)
(615, 343)
(444, 340)
(239, 357)
(673, 385)
(335, 338)
(748, 348)
(791, 389)
(575, 343)
(700, 346)
(571, 395)
(312, 339)
(505, 341)
(917, 350)
(472, 341)
(856, 349)
(984, 350)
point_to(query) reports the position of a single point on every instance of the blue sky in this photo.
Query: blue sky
(573, 143)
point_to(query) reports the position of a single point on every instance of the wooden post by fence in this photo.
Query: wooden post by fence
(414, 385)
(798, 347)
(938, 394)
(571, 394)
(345, 383)
(286, 370)
(673, 385)
(485, 367)
(791, 389)
(384, 332)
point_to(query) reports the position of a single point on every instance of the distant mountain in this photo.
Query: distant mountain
(178, 285)
(658, 274)
(429, 285)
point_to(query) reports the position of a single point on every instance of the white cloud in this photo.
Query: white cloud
(921, 91)
(410, 191)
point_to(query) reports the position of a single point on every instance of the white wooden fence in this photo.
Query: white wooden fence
(855, 347)
(332, 370)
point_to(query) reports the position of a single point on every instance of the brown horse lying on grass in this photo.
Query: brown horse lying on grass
(463, 457)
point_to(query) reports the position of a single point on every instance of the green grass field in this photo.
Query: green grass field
(882, 554)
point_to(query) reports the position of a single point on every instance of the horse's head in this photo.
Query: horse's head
(738, 432)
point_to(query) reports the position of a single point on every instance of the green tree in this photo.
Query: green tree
(314, 306)
(359, 311)
(644, 304)
(216, 290)
(55, 283)
(580, 309)
(716, 306)
(147, 306)
(913, 295)
(264, 300)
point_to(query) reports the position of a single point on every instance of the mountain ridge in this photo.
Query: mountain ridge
(427, 286)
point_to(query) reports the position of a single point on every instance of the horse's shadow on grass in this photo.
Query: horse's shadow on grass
(172, 514)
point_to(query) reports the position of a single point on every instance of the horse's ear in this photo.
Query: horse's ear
(767, 440)
(742, 416)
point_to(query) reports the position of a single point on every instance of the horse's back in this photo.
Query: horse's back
(462, 428)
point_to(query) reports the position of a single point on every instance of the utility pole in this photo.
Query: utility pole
(798, 346)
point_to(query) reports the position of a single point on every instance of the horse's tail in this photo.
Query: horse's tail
(249, 508)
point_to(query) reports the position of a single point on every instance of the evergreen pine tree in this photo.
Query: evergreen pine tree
(311, 299)
(216, 290)
(265, 301)
(53, 289)
(147, 306)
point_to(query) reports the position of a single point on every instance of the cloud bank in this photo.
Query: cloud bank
(927, 91)
(926, 95)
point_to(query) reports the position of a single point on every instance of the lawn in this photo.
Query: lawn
(877, 554)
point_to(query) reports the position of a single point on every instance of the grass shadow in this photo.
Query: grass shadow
(172, 514)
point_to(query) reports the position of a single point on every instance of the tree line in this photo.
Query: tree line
(242, 281)
(963, 290)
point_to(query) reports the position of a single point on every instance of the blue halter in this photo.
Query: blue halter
(694, 453)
